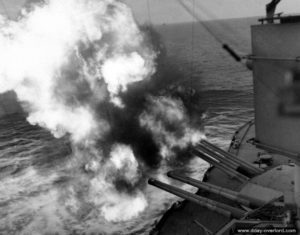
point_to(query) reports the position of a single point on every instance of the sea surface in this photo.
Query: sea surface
(32, 161)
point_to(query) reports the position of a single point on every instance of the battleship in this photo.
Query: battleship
(251, 188)
(254, 186)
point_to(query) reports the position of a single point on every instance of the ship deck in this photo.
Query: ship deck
(189, 218)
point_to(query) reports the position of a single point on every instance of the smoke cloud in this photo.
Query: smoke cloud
(168, 122)
(118, 205)
(60, 57)
(84, 69)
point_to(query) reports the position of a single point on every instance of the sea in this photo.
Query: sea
(32, 161)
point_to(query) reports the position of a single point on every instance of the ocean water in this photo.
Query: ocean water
(33, 178)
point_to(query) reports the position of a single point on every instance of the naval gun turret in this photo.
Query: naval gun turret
(255, 195)
(276, 69)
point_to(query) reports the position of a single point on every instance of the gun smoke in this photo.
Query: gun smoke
(85, 70)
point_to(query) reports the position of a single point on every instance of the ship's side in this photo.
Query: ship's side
(255, 185)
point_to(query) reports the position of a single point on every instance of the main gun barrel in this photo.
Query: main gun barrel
(233, 158)
(225, 168)
(232, 195)
(227, 193)
(212, 205)
(226, 161)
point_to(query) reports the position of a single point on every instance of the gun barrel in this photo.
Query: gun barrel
(229, 171)
(245, 164)
(212, 205)
(226, 161)
(231, 52)
(227, 193)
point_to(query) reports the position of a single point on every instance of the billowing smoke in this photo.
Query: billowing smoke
(63, 57)
(168, 122)
(123, 159)
(121, 168)
(84, 69)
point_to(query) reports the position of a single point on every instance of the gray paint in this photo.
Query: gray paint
(275, 40)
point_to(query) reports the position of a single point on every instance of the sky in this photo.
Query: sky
(170, 11)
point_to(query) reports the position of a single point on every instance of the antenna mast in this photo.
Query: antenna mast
(270, 10)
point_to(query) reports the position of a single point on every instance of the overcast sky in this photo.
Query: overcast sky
(170, 11)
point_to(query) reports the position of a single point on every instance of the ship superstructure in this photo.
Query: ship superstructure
(254, 187)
